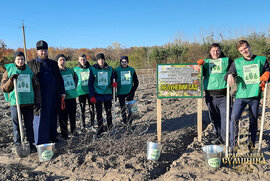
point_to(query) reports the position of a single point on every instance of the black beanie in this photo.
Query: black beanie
(58, 56)
(100, 55)
(42, 45)
(19, 53)
(124, 57)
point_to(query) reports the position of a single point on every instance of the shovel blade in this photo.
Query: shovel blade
(23, 150)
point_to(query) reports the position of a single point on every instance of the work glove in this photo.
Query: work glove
(262, 85)
(200, 62)
(93, 100)
(114, 84)
(63, 104)
(13, 76)
(265, 76)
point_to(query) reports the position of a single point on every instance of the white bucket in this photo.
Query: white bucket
(212, 155)
(132, 106)
(153, 151)
(45, 151)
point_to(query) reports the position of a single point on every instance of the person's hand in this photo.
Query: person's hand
(114, 84)
(63, 104)
(93, 100)
(13, 76)
(200, 62)
(262, 85)
(63, 96)
(230, 80)
(265, 76)
(37, 106)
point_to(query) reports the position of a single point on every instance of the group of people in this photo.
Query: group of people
(47, 89)
(249, 73)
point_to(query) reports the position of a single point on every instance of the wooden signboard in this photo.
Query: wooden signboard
(179, 81)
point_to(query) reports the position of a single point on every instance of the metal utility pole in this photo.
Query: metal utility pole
(24, 43)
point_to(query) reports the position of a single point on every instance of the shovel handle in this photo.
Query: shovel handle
(263, 116)
(227, 118)
(114, 104)
(18, 111)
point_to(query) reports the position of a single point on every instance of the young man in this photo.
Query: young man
(70, 100)
(252, 72)
(28, 95)
(100, 90)
(214, 71)
(83, 72)
(52, 90)
(127, 83)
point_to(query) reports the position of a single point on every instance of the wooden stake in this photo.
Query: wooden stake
(159, 120)
(199, 119)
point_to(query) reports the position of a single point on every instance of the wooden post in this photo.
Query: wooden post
(159, 120)
(199, 119)
(24, 44)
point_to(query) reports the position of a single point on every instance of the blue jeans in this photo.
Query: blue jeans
(238, 107)
(28, 116)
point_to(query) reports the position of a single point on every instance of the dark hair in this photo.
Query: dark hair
(241, 42)
(82, 55)
(215, 45)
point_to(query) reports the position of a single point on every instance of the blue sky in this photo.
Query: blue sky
(98, 23)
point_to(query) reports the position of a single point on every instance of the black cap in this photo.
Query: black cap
(58, 56)
(18, 53)
(100, 55)
(42, 45)
(124, 57)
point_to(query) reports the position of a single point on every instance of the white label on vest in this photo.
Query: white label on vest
(85, 77)
(69, 82)
(251, 74)
(125, 77)
(215, 66)
(23, 84)
(103, 78)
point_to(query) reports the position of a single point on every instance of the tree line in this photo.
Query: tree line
(147, 57)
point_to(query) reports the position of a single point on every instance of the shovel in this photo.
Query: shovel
(23, 150)
(227, 119)
(263, 116)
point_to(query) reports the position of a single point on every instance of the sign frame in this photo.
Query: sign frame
(201, 79)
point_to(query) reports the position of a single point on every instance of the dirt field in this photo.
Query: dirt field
(122, 155)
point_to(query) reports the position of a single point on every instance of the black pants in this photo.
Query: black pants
(82, 102)
(108, 110)
(217, 113)
(122, 101)
(69, 112)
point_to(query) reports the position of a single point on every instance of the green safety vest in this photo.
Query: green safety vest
(102, 83)
(248, 76)
(215, 70)
(24, 85)
(124, 79)
(83, 76)
(70, 87)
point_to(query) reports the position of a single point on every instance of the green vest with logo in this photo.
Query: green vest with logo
(102, 83)
(124, 79)
(70, 87)
(24, 85)
(83, 76)
(248, 76)
(215, 70)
